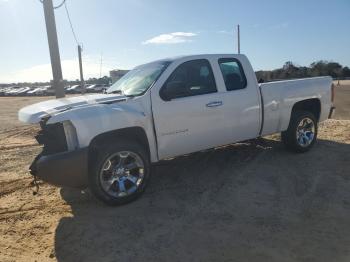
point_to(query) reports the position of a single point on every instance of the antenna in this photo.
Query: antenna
(101, 66)
(238, 39)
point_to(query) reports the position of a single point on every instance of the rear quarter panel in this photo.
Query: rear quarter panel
(280, 97)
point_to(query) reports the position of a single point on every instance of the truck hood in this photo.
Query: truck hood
(34, 113)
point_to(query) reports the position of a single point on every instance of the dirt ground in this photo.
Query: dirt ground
(251, 201)
(342, 102)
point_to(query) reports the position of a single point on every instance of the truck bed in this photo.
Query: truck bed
(279, 97)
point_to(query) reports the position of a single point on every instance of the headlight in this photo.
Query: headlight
(71, 135)
(57, 137)
(53, 138)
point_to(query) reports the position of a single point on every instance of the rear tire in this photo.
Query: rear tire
(301, 134)
(119, 172)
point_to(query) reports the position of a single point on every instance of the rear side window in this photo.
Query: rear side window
(232, 73)
(192, 78)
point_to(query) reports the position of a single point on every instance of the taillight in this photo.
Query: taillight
(333, 93)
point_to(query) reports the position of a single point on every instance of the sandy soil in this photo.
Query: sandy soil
(342, 102)
(342, 82)
(252, 201)
(9, 107)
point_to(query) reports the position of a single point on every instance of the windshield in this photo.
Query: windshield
(137, 81)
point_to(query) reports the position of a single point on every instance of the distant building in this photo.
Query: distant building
(117, 74)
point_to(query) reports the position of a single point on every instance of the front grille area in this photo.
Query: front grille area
(53, 138)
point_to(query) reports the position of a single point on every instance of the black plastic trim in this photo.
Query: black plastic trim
(331, 111)
(67, 169)
(53, 138)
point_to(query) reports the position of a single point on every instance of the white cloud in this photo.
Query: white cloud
(171, 38)
(225, 32)
(70, 71)
(279, 26)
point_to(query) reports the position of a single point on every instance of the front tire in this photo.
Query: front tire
(119, 173)
(301, 134)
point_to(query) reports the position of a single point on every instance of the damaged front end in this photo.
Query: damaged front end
(61, 162)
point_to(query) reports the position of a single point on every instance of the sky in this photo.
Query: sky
(128, 33)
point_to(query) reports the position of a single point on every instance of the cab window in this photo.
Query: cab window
(233, 74)
(191, 78)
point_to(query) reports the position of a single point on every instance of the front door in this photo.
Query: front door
(192, 118)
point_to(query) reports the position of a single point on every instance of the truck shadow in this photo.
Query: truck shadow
(247, 202)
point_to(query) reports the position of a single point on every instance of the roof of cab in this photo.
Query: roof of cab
(197, 56)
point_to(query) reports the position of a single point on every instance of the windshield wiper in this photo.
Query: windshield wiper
(121, 92)
(116, 92)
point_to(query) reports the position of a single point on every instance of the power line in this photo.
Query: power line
(70, 22)
(56, 7)
(53, 48)
(79, 50)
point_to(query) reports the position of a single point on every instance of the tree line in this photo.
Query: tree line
(288, 71)
(292, 71)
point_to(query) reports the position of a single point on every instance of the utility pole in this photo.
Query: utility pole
(101, 66)
(239, 39)
(53, 47)
(81, 71)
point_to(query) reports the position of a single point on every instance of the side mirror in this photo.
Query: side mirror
(173, 90)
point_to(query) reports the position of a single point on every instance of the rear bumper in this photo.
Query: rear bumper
(331, 111)
(67, 169)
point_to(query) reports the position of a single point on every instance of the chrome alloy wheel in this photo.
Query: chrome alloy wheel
(305, 132)
(122, 173)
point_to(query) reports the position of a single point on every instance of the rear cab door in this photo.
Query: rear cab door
(242, 100)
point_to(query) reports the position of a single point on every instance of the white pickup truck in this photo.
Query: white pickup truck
(166, 109)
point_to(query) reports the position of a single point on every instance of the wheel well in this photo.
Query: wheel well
(310, 105)
(137, 134)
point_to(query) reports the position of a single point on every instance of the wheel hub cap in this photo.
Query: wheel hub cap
(119, 172)
(122, 173)
(305, 132)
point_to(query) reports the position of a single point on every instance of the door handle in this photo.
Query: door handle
(214, 104)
